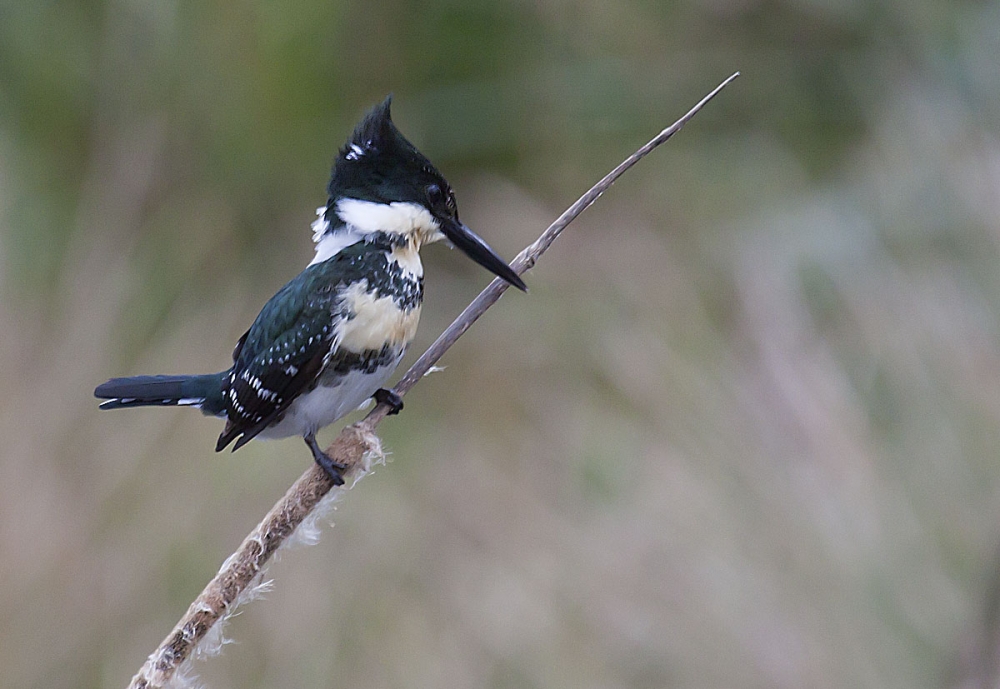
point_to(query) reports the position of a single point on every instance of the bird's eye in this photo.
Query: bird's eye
(434, 195)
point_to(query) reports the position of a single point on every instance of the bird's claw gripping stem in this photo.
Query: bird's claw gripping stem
(390, 398)
(335, 470)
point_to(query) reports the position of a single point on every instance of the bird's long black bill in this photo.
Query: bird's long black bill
(479, 251)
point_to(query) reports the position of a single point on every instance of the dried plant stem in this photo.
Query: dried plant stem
(351, 447)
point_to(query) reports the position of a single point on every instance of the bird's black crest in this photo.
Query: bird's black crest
(379, 164)
(374, 133)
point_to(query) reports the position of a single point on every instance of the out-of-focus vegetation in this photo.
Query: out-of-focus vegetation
(743, 432)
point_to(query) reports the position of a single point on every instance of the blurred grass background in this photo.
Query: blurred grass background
(742, 433)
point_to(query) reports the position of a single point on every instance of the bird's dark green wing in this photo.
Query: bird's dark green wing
(282, 353)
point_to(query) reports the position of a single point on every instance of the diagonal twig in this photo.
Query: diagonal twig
(354, 444)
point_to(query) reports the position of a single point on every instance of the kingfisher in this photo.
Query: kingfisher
(332, 336)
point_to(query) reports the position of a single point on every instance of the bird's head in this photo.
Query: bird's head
(382, 183)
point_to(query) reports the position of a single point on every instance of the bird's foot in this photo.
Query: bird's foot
(395, 402)
(335, 470)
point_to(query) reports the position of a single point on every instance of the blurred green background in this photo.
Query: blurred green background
(743, 432)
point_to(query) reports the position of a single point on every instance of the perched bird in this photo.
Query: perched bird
(332, 336)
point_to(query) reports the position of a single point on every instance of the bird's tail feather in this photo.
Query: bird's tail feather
(202, 391)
